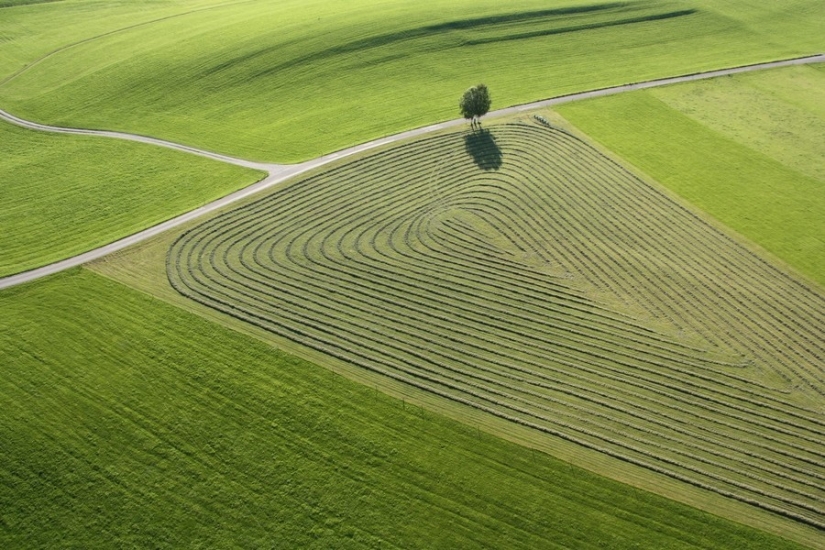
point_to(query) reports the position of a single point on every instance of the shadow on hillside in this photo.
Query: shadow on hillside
(476, 25)
(482, 146)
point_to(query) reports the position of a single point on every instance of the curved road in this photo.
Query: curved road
(278, 173)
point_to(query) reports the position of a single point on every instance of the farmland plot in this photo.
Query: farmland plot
(63, 195)
(129, 422)
(524, 274)
(749, 150)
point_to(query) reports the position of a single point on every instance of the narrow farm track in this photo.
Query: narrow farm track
(478, 267)
(278, 173)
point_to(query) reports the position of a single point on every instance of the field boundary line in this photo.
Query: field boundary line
(29, 125)
(279, 173)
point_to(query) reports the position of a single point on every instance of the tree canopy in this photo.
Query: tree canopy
(475, 102)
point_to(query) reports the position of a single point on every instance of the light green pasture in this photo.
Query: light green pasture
(62, 195)
(749, 150)
(289, 80)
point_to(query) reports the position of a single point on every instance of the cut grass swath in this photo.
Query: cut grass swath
(748, 150)
(473, 267)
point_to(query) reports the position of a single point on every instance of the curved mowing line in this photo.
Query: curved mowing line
(417, 265)
(278, 174)
(756, 394)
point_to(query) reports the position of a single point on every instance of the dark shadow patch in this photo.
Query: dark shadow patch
(578, 28)
(482, 147)
(373, 62)
(478, 23)
(518, 17)
(14, 3)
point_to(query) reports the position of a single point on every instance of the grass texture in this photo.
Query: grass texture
(12, 3)
(289, 80)
(749, 150)
(63, 195)
(522, 274)
(130, 423)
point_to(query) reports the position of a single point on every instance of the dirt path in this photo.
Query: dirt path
(278, 173)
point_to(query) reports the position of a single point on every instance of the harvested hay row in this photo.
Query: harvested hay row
(477, 267)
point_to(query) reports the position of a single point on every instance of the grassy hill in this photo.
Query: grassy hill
(288, 80)
(129, 422)
(63, 195)
(748, 149)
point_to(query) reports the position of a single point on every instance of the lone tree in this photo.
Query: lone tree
(474, 104)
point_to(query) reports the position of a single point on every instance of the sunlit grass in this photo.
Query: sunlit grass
(289, 80)
(63, 195)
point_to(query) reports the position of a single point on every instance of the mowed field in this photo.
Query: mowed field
(128, 422)
(289, 80)
(522, 274)
(62, 195)
(749, 150)
(520, 280)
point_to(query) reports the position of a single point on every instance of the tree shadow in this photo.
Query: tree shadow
(482, 146)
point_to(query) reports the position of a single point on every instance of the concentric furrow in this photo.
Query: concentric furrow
(556, 291)
(627, 231)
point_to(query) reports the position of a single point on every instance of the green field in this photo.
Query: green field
(511, 273)
(128, 422)
(289, 80)
(749, 150)
(501, 339)
(63, 195)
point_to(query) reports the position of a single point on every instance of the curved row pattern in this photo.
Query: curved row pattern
(525, 274)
